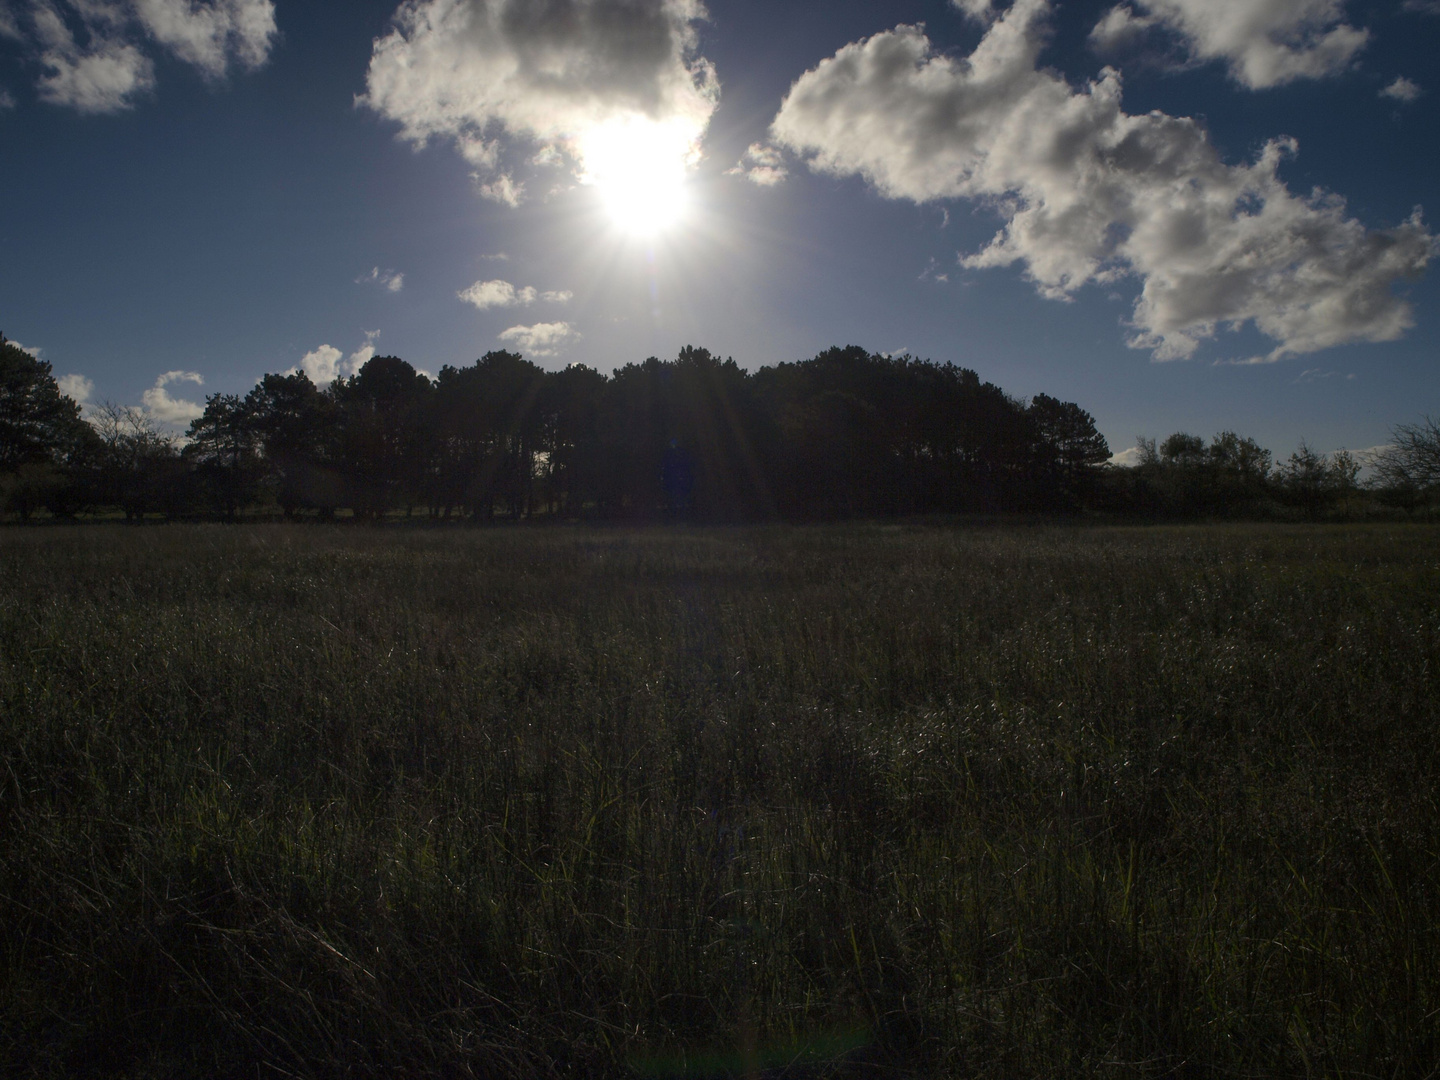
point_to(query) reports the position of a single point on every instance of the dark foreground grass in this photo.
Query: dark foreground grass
(854, 801)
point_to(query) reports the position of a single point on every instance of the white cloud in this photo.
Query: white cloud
(110, 69)
(761, 164)
(1421, 7)
(1263, 42)
(76, 387)
(363, 355)
(391, 280)
(326, 364)
(1091, 194)
(1311, 375)
(33, 350)
(503, 189)
(1127, 459)
(542, 339)
(979, 10)
(322, 365)
(497, 293)
(100, 78)
(1119, 28)
(210, 35)
(6, 101)
(159, 405)
(1402, 89)
(549, 75)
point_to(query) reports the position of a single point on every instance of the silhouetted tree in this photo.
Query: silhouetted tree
(1316, 482)
(224, 451)
(37, 423)
(1238, 473)
(41, 434)
(1186, 451)
(846, 433)
(1408, 470)
(1182, 476)
(298, 434)
(850, 433)
(491, 428)
(139, 468)
(1068, 447)
(574, 469)
(382, 436)
(836, 448)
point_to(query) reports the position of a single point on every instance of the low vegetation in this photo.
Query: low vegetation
(844, 800)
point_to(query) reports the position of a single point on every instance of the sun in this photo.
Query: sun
(639, 166)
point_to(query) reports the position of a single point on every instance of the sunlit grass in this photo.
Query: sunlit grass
(988, 802)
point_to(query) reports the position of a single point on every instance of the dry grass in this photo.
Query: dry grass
(1000, 802)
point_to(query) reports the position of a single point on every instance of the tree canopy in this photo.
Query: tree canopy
(847, 433)
(38, 424)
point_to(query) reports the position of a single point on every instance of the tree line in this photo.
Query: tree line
(845, 434)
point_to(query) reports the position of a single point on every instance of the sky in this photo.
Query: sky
(1185, 215)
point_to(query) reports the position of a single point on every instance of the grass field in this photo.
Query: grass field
(894, 801)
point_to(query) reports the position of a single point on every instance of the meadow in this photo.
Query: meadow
(920, 800)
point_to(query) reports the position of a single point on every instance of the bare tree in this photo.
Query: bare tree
(1412, 460)
(139, 470)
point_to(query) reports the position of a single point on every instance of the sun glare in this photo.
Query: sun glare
(638, 166)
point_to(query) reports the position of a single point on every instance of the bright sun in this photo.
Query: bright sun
(638, 166)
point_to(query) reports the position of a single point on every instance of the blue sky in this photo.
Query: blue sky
(1189, 215)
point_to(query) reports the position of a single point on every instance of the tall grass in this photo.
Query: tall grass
(1001, 802)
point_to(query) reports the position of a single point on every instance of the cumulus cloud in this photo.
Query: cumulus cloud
(542, 339)
(326, 364)
(762, 164)
(91, 52)
(1127, 459)
(1092, 194)
(979, 10)
(390, 280)
(497, 293)
(33, 350)
(361, 356)
(159, 405)
(549, 75)
(1119, 29)
(76, 387)
(322, 365)
(1263, 43)
(1402, 89)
